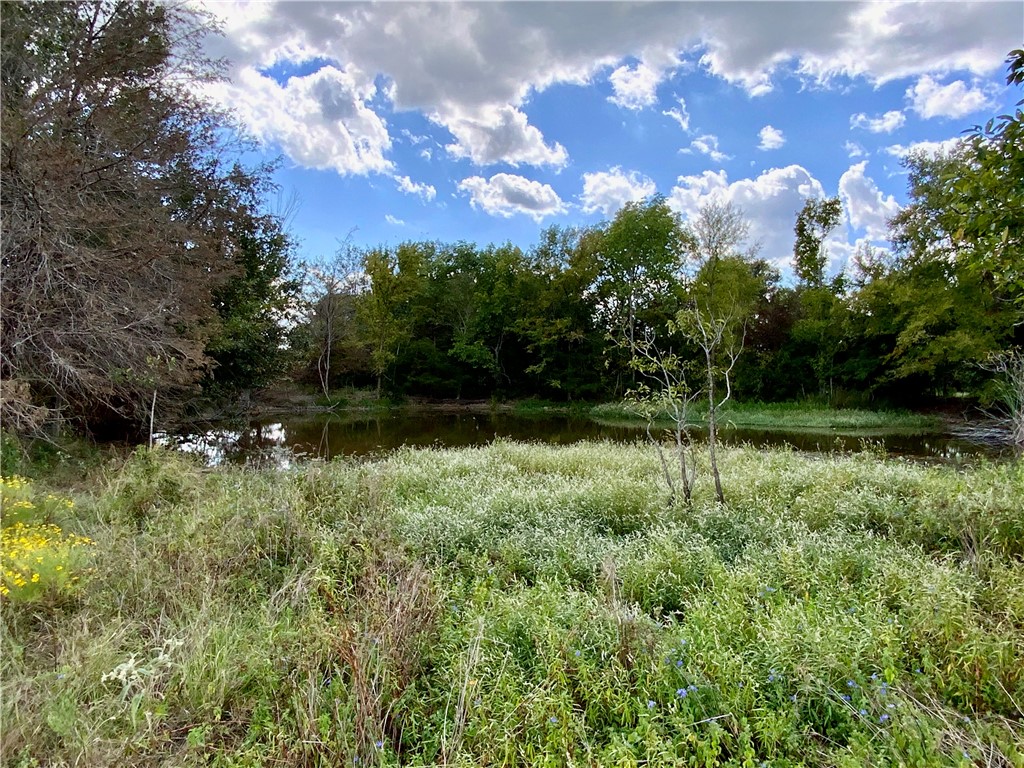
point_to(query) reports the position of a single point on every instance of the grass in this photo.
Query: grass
(530, 605)
(780, 416)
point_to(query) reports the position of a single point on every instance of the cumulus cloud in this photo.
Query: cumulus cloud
(770, 202)
(321, 120)
(865, 205)
(929, 99)
(506, 195)
(499, 134)
(410, 187)
(886, 123)
(679, 114)
(707, 144)
(771, 138)
(607, 191)
(462, 62)
(393, 220)
(634, 87)
(929, 148)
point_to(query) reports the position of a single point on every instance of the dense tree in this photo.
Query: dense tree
(120, 209)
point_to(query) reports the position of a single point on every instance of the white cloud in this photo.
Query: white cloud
(393, 220)
(499, 135)
(770, 202)
(634, 87)
(865, 205)
(886, 123)
(854, 150)
(929, 99)
(464, 63)
(506, 194)
(410, 187)
(930, 148)
(771, 138)
(679, 114)
(426, 153)
(320, 121)
(707, 144)
(413, 138)
(606, 192)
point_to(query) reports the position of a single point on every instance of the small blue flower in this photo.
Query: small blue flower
(379, 744)
(874, 675)
(692, 688)
(883, 718)
(846, 697)
(679, 663)
(552, 719)
(793, 698)
(650, 704)
(863, 712)
(918, 670)
(850, 684)
(681, 693)
(577, 653)
(967, 719)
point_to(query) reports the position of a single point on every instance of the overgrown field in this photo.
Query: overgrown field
(524, 605)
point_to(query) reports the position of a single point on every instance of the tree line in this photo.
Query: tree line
(144, 269)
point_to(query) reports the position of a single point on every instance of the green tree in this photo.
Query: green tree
(814, 223)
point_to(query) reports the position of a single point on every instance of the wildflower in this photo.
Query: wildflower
(863, 712)
(846, 697)
(883, 718)
(650, 704)
(379, 744)
(552, 719)
(850, 684)
(681, 693)
(577, 653)
(793, 698)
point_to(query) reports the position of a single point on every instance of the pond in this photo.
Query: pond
(279, 439)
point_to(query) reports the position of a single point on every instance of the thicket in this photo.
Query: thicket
(527, 605)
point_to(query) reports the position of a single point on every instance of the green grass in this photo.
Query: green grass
(780, 416)
(530, 605)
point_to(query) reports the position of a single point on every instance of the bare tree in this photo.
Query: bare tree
(333, 283)
(665, 393)
(722, 291)
(1009, 368)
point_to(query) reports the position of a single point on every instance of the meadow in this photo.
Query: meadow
(517, 604)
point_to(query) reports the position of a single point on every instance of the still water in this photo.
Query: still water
(280, 439)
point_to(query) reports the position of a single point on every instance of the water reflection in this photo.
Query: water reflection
(283, 440)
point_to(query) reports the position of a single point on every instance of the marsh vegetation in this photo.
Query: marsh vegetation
(529, 605)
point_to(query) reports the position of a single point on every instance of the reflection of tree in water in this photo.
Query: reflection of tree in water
(256, 443)
(330, 435)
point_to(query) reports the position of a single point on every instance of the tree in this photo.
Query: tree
(641, 256)
(814, 223)
(335, 284)
(250, 346)
(722, 294)
(119, 209)
(395, 277)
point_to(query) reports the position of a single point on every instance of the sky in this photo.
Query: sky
(488, 122)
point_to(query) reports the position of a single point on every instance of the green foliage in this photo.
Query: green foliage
(814, 223)
(518, 603)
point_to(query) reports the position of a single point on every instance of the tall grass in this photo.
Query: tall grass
(793, 416)
(531, 605)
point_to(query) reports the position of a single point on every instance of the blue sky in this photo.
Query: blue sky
(489, 121)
